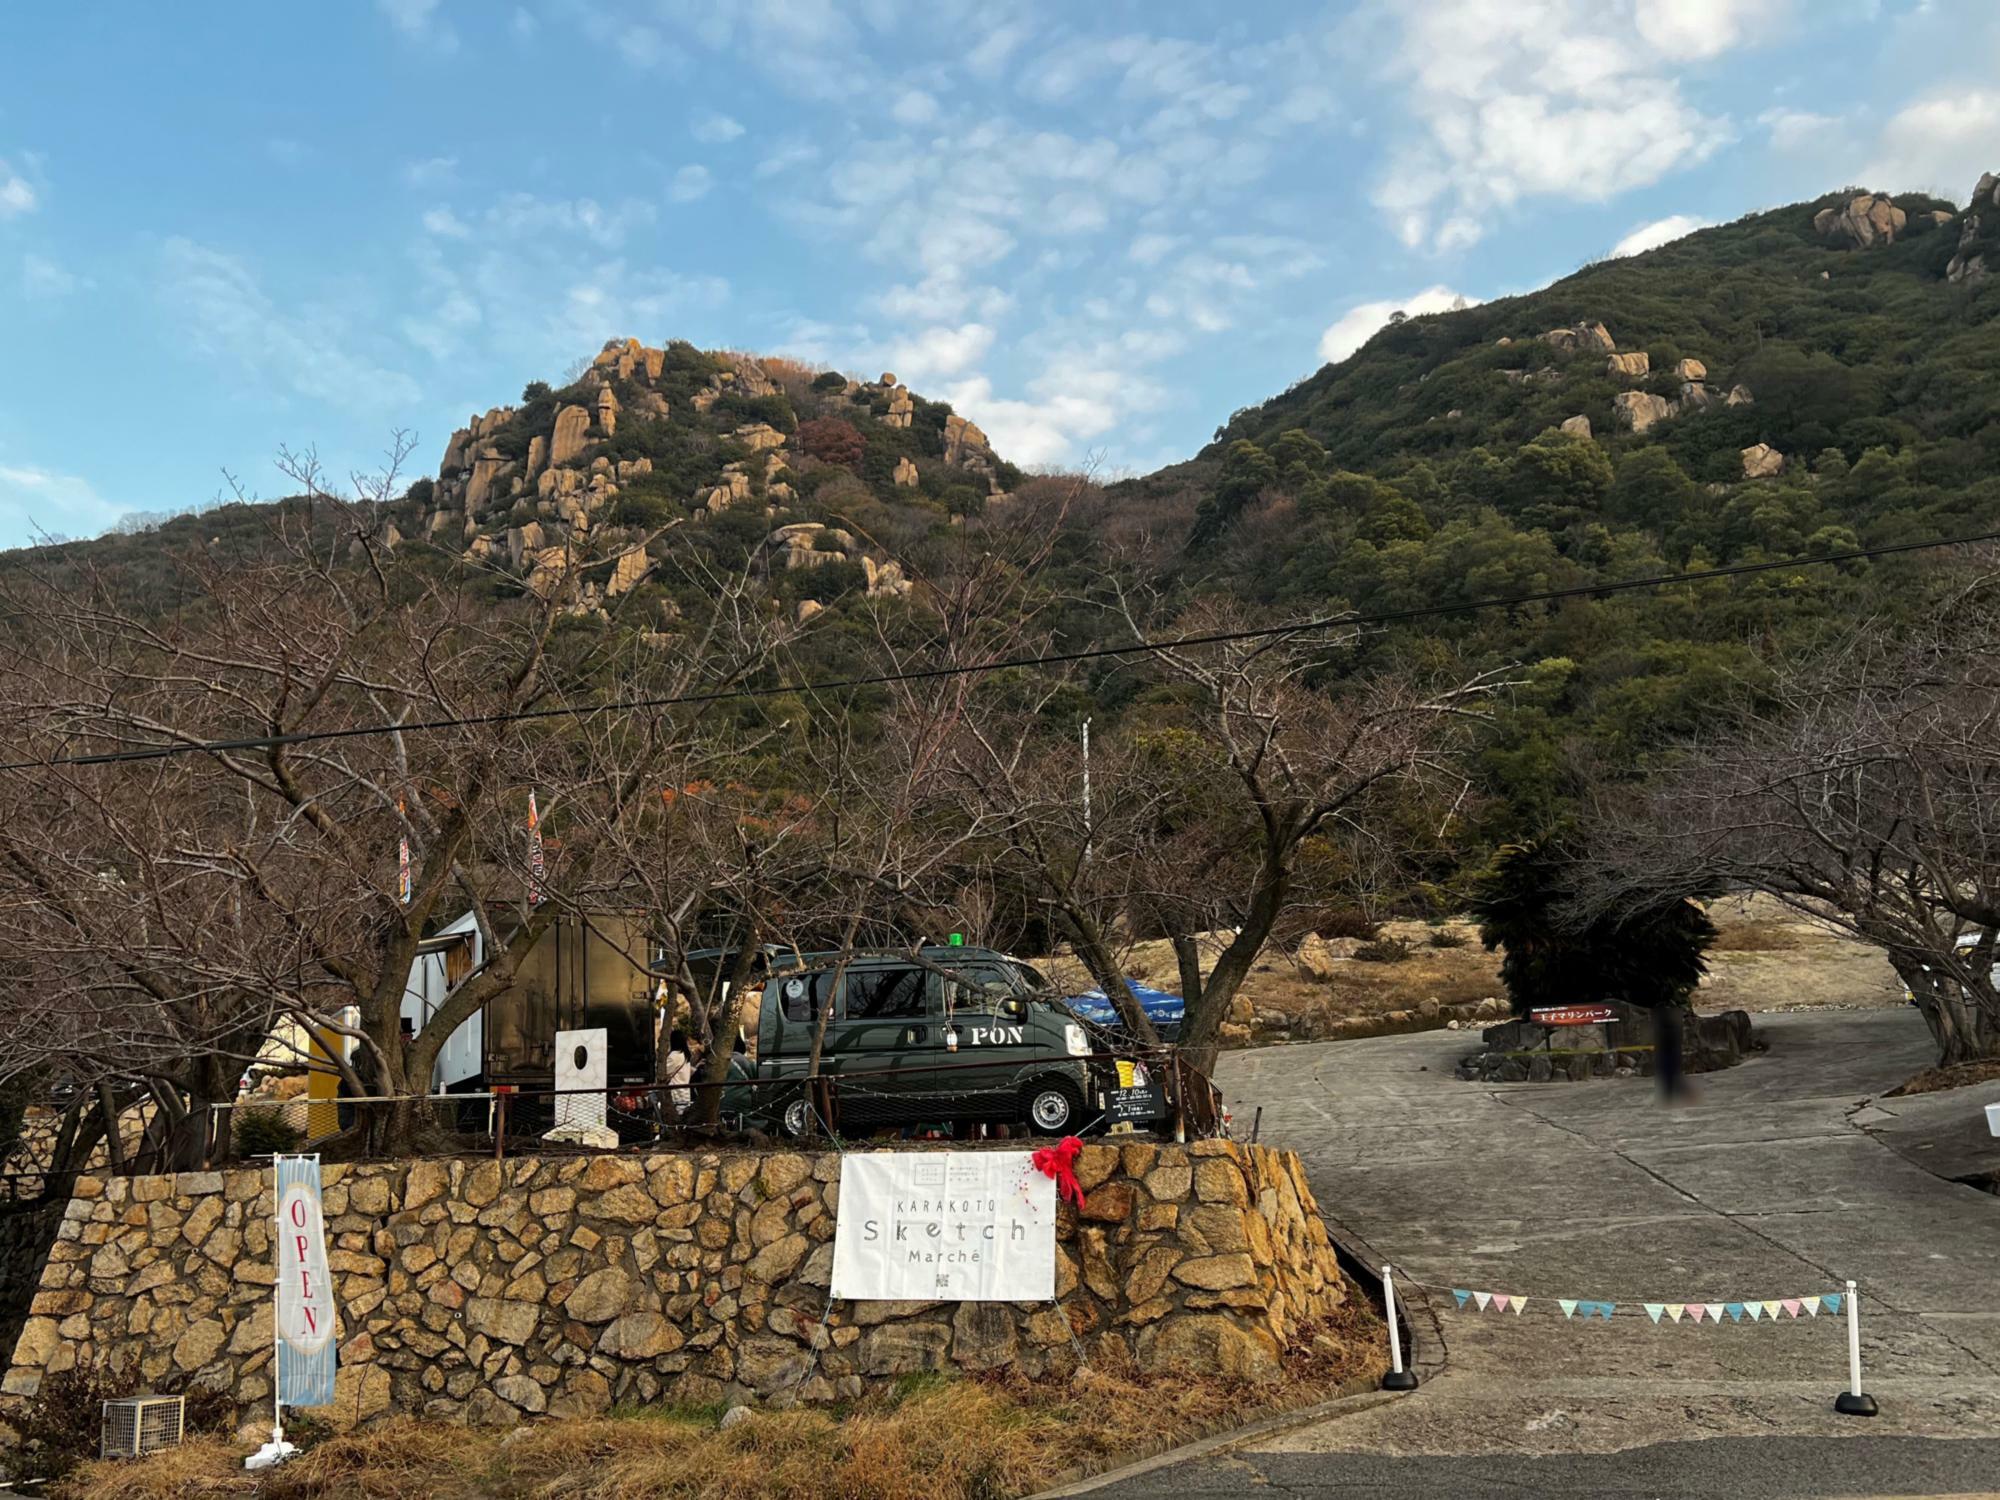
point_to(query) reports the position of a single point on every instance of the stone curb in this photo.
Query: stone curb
(1358, 1394)
(1427, 1355)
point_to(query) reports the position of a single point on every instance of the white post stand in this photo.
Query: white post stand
(1854, 1402)
(1398, 1378)
(277, 1450)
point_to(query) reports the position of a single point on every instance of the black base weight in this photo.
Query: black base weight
(1399, 1380)
(1850, 1405)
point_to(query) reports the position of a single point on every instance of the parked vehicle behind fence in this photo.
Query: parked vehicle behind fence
(955, 1036)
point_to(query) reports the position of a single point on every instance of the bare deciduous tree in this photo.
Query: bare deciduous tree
(1863, 791)
(276, 823)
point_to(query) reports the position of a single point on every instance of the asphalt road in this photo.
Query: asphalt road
(1782, 1178)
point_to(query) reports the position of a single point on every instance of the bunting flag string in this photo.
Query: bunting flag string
(1763, 1309)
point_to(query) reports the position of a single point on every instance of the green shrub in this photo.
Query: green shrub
(62, 1424)
(264, 1132)
(1348, 922)
(832, 380)
(1384, 950)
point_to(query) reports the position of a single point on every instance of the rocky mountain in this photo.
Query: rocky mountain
(1806, 380)
(573, 487)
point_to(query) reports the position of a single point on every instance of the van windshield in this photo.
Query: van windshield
(1030, 979)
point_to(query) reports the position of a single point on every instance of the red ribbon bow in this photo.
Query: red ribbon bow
(1059, 1161)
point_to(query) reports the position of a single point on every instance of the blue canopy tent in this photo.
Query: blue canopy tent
(1162, 1009)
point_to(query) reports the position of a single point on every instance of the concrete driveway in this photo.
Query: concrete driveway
(1773, 1182)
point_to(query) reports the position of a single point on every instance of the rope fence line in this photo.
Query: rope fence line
(1851, 1402)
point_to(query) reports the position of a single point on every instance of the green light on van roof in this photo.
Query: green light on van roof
(957, 940)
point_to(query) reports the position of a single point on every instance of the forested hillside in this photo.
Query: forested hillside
(1807, 380)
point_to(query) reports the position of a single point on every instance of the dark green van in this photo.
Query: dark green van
(965, 1036)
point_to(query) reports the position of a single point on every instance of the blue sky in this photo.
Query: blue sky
(1096, 229)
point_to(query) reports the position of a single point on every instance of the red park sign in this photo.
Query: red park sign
(1572, 1015)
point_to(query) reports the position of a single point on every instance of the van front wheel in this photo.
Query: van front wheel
(796, 1119)
(1052, 1106)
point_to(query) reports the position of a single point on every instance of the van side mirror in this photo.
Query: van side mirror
(1014, 1008)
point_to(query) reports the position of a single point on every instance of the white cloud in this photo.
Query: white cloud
(35, 500)
(991, 53)
(1081, 395)
(714, 129)
(1561, 98)
(523, 24)
(432, 171)
(1354, 327)
(442, 221)
(42, 280)
(914, 107)
(938, 353)
(311, 351)
(285, 151)
(418, 21)
(1657, 233)
(1151, 249)
(1694, 29)
(794, 154)
(16, 195)
(1797, 129)
(690, 183)
(1941, 143)
(524, 216)
(940, 297)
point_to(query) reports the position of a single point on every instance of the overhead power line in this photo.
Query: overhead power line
(1348, 621)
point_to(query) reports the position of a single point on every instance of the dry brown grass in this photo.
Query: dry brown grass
(1937, 1080)
(200, 1466)
(938, 1439)
(1766, 957)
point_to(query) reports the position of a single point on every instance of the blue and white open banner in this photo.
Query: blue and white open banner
(306, 1316)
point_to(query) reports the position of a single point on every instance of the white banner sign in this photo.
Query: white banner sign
(943, 1226)
(305, 1291)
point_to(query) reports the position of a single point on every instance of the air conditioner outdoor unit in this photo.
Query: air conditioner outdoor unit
(142, 1424)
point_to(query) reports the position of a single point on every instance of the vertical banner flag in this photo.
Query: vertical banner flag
(305, 1312)
(535, 867)
(403, 857)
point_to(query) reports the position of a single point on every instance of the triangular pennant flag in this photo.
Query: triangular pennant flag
(1499, 1301)
(1772, 1309)
(1654, 1309)
(1462, 1295)
(1735, 1311)
(1714, 1311)
(1790, 1305)
(1832, 1301)
(1695, 1311)
(1810, 1305)
(1675, 1309)
(1605, 1309)
(1482, 1298)
(1567, 1305)
(1755, 1309)
(1519, 1303)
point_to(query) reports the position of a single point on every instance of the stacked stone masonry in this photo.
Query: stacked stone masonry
(489, 1291)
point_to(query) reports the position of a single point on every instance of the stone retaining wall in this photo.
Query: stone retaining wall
(26, 1232)
(490, 1290)
(1523, 1052)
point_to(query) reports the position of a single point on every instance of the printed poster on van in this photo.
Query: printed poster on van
(945, 1226)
